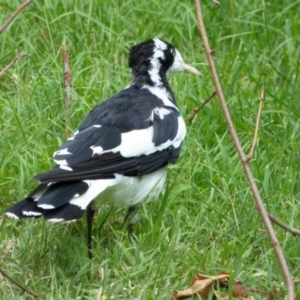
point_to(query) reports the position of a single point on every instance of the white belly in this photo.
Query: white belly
(131, 191)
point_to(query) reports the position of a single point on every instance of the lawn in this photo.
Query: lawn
(205, 221)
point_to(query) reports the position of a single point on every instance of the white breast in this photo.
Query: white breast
(131, 191)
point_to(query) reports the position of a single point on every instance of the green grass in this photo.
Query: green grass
(206, 219)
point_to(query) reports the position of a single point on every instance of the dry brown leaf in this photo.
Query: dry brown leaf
(237, 289)
(221, 276)
(201, 287)
(202, 284)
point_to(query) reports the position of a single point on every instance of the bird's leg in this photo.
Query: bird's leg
(90, 212)
(131, 211)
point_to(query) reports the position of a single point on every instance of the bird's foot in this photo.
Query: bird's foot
(131, 216)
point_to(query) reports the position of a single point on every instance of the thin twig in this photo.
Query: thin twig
(195, 110)
(22, 54)
(256, 291)
(291, 230)
(259, 204)
(297, 281)
(68, 84)
(14, 14)
(261, 101)
(261, 292)
(19, 285)
(215, 2)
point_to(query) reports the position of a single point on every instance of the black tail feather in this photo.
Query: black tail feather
(67, 212)
(26, 205)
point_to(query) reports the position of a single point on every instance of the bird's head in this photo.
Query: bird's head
(157, 58)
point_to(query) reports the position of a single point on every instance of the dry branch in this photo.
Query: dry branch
(6, 23)
(20, 285)
(259, 204)
(196, 110)
(22, 54)
(68, 84)
(14, 14)
(291, 230)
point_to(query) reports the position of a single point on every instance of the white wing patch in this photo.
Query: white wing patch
(65, 167)
(95, 188)
(136, 142)
(140, 142)
(62, 152)
(133, 143)
(31, 213)
(56, 220)
(159, 111)
(72, 137)
(63, 164)
(181, 130)
(97, 150)
(37, 195)
(11, 215)
(46, 206)
(60, 162)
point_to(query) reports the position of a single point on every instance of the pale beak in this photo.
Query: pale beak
(190, 69)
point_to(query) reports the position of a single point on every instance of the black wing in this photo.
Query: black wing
(133, 134)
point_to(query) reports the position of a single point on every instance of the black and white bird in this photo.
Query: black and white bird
(121, 150)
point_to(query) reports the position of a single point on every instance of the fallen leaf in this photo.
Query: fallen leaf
(201, 284)
(237, 288)
(201, 287)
